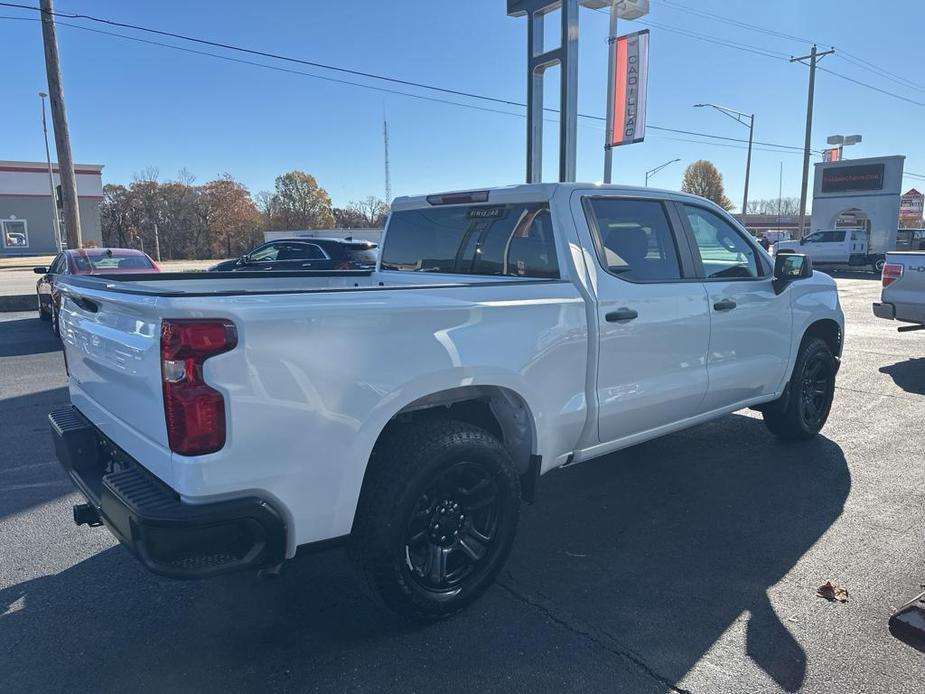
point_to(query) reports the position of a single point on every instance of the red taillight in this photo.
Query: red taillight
(891, 273)
(195, 412)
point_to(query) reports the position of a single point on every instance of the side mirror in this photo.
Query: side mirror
(40, 270)
(803, 241)
(243, 260)
(790, 267)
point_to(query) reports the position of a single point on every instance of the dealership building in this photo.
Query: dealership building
(27, 213)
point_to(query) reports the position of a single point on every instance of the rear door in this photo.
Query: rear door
(652, 316)
(750, 324)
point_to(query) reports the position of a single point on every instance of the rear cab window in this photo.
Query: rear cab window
(510, 240)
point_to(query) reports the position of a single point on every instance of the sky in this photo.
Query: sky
(133, 106)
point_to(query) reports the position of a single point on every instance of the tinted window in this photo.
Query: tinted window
(57, 267)
(723, 250)
(634, 239)
(512, 240)
(101, 263)
(299, 251)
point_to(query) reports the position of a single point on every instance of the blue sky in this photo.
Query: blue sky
(133, 105)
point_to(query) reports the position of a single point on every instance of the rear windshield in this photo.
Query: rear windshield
(101, 263)
(510, 240)
(361, 255)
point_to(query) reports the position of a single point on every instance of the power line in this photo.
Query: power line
(278, 68)
(870, 86)
(851, 58)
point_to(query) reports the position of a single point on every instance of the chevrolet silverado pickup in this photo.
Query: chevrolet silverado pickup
(223, 421)
(903, 294)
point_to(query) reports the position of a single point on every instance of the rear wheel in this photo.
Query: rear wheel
(877, 264)
(801, 414)
(43, 314)
(437, 517)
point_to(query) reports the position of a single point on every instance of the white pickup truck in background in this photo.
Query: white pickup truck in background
(221, 421)
(835, 247)
(903, 294)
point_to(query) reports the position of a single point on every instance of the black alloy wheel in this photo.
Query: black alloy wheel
(452, 527)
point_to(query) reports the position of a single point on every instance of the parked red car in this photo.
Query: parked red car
(85, 261)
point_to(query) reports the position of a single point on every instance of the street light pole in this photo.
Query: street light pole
(739, 117)
(652, 172)
(51, 178)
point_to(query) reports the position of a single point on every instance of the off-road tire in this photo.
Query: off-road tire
(403, 476)
(790, 418)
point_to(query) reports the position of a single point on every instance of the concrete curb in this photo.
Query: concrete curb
(18, 302)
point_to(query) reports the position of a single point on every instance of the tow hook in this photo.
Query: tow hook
(85, 514)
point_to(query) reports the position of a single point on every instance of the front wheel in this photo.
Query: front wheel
(802, 412)
(437, 516)
(43, 314)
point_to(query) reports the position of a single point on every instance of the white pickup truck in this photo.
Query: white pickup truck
(903, 294)
(835, 247)
(223, 421)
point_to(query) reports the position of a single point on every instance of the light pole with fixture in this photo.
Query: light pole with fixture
(51, 178)
(842, 141)
(739, 117)
(652, 172)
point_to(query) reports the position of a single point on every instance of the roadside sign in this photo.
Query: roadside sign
(631, 72)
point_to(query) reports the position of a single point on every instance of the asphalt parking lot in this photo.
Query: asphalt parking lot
(686, 564)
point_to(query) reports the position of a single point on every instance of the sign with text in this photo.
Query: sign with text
(631, 72)
(843, 179)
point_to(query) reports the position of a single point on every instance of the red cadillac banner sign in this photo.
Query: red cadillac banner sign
(631, 71)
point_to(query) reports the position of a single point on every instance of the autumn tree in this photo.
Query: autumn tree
(298, 202)
(702, 178)
(348, 218)
(373, 210)
(231, 220)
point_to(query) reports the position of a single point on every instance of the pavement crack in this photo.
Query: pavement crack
(607, 643)
(882, 395)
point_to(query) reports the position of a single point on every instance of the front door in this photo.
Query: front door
(653, 318)
(750, 325)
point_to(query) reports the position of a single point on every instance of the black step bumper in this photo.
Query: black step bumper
(169, 537)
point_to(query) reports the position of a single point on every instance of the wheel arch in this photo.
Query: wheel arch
(829, 331)
(501, 411)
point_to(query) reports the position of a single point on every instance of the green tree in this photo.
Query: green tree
(300, 203)
(703, 179)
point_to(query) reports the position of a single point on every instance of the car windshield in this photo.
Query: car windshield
(103, 263)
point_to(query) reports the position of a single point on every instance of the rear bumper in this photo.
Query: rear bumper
(168, 536)
(887, 311)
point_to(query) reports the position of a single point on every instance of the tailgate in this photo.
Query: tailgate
(907, 293)
(112, 344)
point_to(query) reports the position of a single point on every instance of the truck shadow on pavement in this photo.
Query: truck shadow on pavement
(908, 375)
(625, 573)
(27, 336)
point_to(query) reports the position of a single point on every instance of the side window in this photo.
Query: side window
(634, 240)
(838, 236)
(723, 251)
(816, 237)
(299, 251)
(57, 267)
(266, 254)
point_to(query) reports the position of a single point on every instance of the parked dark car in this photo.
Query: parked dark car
(297, 254)
(85, 261)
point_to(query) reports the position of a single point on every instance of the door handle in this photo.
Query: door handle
(724, 305)
(621, 314)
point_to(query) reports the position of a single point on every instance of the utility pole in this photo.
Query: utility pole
(813, 58)
(51, 177)
(157, 243)
(388, 174)
(59, 120)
